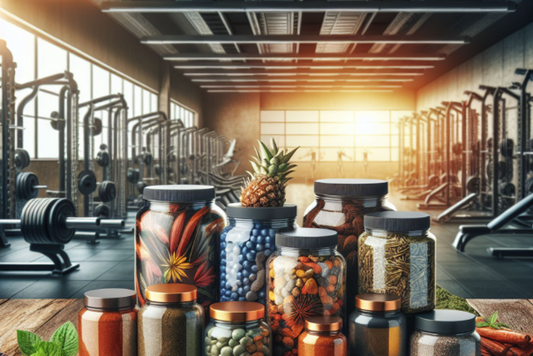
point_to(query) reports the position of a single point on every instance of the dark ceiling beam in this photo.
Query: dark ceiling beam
(310, 56)
(311, 71)
(315, 65)
(308, 6)
(284, 39)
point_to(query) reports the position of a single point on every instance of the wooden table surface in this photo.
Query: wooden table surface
(44, 316)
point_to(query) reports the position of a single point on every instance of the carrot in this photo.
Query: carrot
(191, 226)
(175, 232)
(504, 336)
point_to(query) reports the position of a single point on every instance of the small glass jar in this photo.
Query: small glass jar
(377, 327)
(107, 325)
(171, 322)
(177, 239)
(245, 245)
(238, 328)
(323, 336)
(340, 205)
(445, 332)
(306, 277)
(397, 255)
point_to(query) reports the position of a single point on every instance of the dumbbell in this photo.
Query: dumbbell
(50, 221)
(107, 191)
(102, 157)
(132, 175)
(27, 186)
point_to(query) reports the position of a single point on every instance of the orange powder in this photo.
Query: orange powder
(313, 343)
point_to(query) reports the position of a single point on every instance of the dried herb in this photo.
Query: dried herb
(401, 265)
(491, 322)
(446, 300)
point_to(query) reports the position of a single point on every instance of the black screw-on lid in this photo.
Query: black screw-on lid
(304, 237)
(236, 210)
(398, 221)
(179, 193)
(446, 322)
(111, 299)
(352, 187)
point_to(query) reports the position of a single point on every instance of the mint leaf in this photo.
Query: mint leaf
(67, 337)
(482, 324)
(494, 318)
(26, 341)
(48, 348)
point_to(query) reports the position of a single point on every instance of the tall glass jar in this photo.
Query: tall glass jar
(340, 205)
(238, 328)
(397, 255)
(107, 325)
(244, 247)
(177, 239)
(306, 277)
(377, 327)
(171, 322)
(323, 336)
(445, 332)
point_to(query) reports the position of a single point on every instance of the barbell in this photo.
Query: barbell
(50, 221)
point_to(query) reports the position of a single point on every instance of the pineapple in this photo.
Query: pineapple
(266, 187)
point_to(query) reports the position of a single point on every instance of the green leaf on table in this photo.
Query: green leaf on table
(482, 324)
(26, 341)
(67, 337)
(494, 318)
(47, 348)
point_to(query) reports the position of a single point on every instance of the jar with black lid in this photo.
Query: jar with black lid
(445, 333)
(107, 325)
(377, 327)
(341, 205)
(171, 322)
(397, 255)
(245, 244)
(177, 239)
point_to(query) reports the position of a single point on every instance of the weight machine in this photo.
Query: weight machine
(516, 220)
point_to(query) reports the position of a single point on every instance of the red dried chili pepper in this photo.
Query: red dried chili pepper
(191, 226)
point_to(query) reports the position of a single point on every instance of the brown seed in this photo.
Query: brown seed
(309, 273)
(300, 273)
(311, 286)
(295, 292)
(299, 283)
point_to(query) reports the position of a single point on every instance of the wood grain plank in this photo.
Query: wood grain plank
(69, 313)
(2, 301)
(25, 314)
(517, 313)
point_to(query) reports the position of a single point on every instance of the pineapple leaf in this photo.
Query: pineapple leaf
(283, 167)
(289, 155)
(257, 153)
(266, 152)
(251, 174)
(255, 166)
(256, 160)
(272, 170)
(274, 145)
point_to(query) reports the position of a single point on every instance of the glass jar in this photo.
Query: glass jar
(397, 256)
(245, 245)
(444, 333)
(322, 336)
(107, 325)
(171, 322)
(340, 205)
(177, 239)
(238, 328)
(306, 277)
(377, 327)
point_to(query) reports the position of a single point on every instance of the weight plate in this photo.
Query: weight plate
(107, 191)
(472, 184)
(97, 128)
(507, 189)
(86, 182)
(132, 175)
(141, 186)
(102, 211)
(25, 183)
(148, 158)
(103, 159)
(22, 158)
(507, 148)
(60, 210)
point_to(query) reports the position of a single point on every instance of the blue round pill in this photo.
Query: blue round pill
(234, 296)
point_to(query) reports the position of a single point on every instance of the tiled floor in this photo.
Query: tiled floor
(110, 263)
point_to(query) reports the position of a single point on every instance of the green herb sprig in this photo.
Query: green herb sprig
(64, 342)
(491, 323)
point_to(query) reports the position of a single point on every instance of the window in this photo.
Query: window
(38, 58)
(178, 112)
(328, 134)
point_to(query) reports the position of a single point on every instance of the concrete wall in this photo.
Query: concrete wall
(237, 115)
(493, 67)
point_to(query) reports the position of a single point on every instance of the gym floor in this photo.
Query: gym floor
(473, 274)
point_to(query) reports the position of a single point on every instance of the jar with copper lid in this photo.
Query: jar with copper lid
(238, 328)
(323, 336)
(341, 205)
(377, 327)
(107, 325)
(171, 322)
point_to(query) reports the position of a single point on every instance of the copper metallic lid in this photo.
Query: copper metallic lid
(111, 299)
(171, 293)
(378, 302)
(323, 323)
(237, 311)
